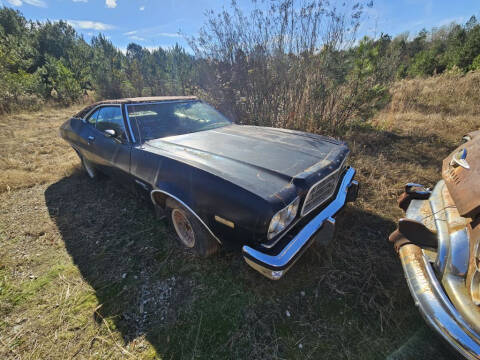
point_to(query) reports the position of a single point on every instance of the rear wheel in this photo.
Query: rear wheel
(190, 232)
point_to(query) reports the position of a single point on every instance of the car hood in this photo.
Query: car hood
(262, 160)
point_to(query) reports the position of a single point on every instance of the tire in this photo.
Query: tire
(191, 233)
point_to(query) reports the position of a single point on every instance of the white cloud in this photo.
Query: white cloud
(111, 3)
(142, 8)
(150, 34)
(15, 2)
(37, 3)
(146, 33)
(90, 25)
(165, 34)
(136, 38)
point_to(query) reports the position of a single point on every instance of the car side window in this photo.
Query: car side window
(110, 117)
(93, 117)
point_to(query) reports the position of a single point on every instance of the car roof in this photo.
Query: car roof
(149, 99)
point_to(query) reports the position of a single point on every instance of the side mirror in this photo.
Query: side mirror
(110, 133)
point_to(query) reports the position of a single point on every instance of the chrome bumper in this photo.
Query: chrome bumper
(275, 266)
(437, 277)
(434, 305)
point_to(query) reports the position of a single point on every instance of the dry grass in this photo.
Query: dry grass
(441, 106)
(407, 140)
(87, 272)
(31, 153)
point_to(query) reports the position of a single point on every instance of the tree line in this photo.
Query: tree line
(285, 65)
(50, 61)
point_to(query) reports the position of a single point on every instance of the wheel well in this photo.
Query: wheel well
(160, 199)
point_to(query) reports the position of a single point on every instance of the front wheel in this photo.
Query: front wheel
(191, 233)
(89, 169)
(92, 173)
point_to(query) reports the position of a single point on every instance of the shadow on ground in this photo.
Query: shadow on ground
(345, 301)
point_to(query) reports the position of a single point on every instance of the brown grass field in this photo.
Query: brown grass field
(87, 272)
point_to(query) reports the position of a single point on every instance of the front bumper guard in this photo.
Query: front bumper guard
(275, 266)
(436, 279)
(434, 305)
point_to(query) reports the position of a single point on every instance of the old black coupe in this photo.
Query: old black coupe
(272, 191)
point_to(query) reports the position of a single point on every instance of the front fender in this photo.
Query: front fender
(209, 197)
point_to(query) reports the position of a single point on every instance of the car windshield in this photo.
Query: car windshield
(158, 120)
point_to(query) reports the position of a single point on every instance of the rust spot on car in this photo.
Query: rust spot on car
(411, 257)
(427, 216)
(462, 183)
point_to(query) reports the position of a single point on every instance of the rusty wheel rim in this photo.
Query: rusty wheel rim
(183, 228)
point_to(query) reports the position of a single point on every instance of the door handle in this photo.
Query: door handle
(90, 139)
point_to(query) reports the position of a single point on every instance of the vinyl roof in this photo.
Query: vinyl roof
(134, 100)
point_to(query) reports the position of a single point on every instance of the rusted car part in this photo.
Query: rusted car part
(471, 135)
(461, 171)
(412, 191)
(438, 245)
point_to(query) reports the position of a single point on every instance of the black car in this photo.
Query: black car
(272, 191)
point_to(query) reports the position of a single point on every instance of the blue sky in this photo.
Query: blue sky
(154, 23)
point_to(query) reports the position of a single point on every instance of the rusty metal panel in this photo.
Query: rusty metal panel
(461, 172)
(471, 135)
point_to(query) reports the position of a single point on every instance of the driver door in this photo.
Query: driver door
(111, 149)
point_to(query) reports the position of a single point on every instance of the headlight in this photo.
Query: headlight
(283, 218)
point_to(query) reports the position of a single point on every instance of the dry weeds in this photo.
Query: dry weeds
(31, 152)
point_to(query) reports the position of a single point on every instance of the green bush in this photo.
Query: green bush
(476, 63)
(58, 82)
(67, 87)
(424, 64)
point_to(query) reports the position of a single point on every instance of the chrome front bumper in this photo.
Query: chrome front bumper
(275, 266)
(437, 277)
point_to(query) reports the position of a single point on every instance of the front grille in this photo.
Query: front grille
(320, 192)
